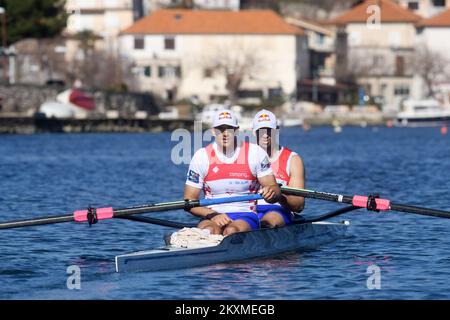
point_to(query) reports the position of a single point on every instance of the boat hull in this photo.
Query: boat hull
(423, 122)
(240, 246)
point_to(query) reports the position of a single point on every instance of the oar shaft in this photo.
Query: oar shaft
(166, 206)
(317, 195)
(420, 210)
(36, 222)
(160, 222)
(361, 202)
(107, 213)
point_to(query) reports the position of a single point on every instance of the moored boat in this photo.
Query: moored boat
(421, 113)
(239, 246)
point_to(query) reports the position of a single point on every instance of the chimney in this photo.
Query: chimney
(138, 9)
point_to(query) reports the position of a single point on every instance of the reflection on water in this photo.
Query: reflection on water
(385, 263)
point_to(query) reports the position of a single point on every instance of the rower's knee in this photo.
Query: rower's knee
(230, 230)
(272, 220)
(208, 225)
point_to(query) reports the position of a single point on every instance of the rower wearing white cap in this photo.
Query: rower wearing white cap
(225, 169)
(287, 167)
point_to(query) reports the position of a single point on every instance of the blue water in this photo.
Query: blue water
(55, 174)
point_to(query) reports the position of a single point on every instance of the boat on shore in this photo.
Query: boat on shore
(71, 103)
(423, 113)
(240, 246)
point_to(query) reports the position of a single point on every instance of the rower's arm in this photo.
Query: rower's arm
(270, 189)
(192, 193)
(297, 180)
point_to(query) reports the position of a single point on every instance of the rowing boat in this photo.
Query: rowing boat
(302, 235)
(239, 246)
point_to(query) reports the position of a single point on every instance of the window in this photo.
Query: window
(169, 72)
(169, 43)
(250, 94)
(401, 90)
(139, 43)
(148, 71)
(208, 72)
(275, 93)
(178, 71)
(378, 60)
(399, 65)
(414, 5)
(170, 94)
(161, 72)
(320, 38)
(439, 3)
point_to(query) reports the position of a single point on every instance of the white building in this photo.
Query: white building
(425, 8)
(154, 5)
(434, 35)
(182, 53)
(217, 4)
(321, 45)
(105, 18)
(378, 55)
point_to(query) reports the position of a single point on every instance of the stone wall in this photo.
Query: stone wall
(31, 125)
(26, 99)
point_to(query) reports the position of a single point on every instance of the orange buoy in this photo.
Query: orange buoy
(444, 130)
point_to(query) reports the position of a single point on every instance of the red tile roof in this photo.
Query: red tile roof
(182, 21)
(440, 20)
(390, 12)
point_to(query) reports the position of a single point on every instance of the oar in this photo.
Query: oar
(370, 202)
(161, 222)
(92, 215)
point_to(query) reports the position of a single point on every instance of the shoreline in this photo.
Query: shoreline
(32, 125)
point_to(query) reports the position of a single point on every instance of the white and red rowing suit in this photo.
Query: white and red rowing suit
(281, 167)
(222, 175)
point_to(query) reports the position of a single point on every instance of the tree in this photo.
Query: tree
(432, 67)
(235, 62)
(261, 4)
(182, 4)
(314, 9)
(34, 18)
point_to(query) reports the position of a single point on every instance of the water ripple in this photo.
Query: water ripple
(55, 174)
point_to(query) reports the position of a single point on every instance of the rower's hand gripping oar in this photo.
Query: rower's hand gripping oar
(372, 203)
(92, 215)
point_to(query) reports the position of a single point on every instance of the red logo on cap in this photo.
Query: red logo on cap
(224, 115)
(263, 117)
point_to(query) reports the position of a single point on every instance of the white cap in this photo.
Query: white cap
(264, 119)
(225, 117)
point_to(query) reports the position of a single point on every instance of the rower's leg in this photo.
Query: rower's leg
(213, 228)
(236, 226)
(273, 219)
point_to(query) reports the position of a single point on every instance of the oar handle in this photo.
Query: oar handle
(210, 202)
